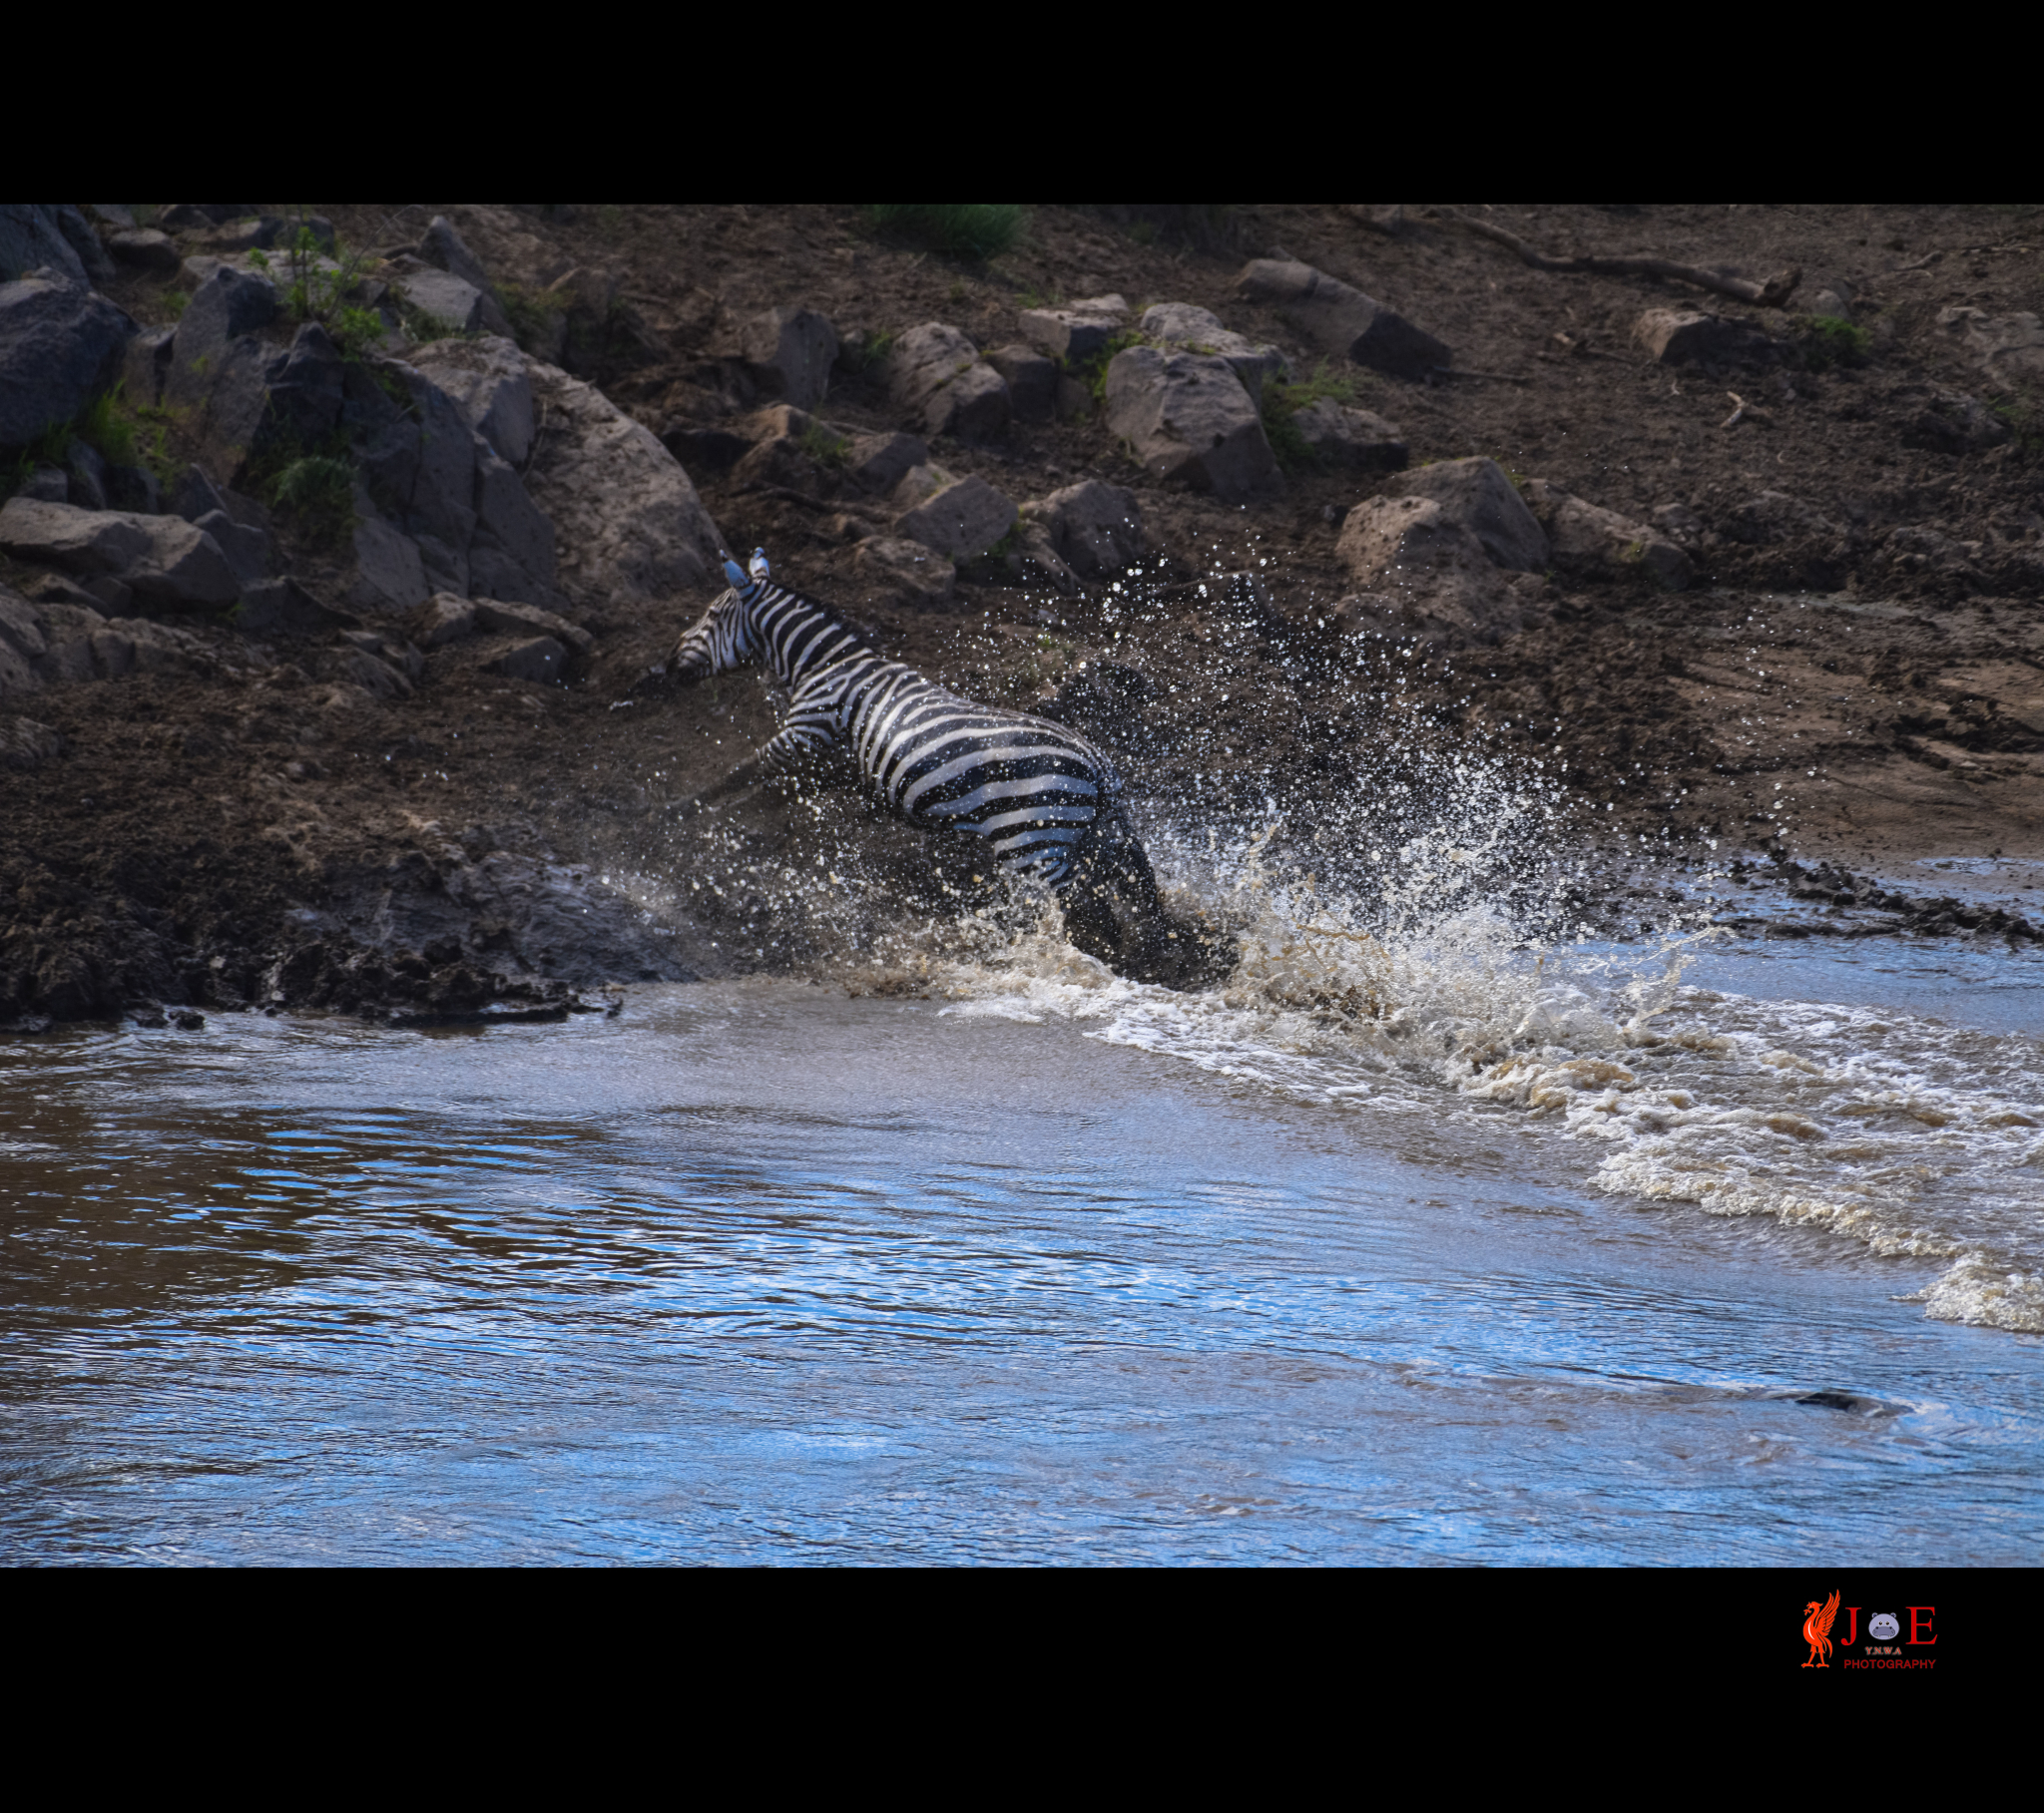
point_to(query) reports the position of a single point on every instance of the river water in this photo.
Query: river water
(1467, 1254)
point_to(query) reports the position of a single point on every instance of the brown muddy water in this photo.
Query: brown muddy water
(1566, 1259)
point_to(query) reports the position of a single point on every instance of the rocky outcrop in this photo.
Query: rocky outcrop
(2010, 347)
(1187, 416)
(937, 374)
(60, 345)
(1335, 318)
(629, 533)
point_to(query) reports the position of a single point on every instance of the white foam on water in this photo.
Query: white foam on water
(1910, 1137)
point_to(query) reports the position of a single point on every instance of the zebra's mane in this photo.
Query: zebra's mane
(862, 637)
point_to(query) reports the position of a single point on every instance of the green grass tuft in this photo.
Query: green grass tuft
(1827, 339)
(965, 229)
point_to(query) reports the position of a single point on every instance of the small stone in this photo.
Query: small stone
(1340, 319)
(540, 659)
(444, 618)
(145, 248)
(1587, 535)
(879, 462)
(1032, 381)
(1676, 336)
(963, 520)
(444, 297)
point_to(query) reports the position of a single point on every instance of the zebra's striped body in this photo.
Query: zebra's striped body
(1041, 795)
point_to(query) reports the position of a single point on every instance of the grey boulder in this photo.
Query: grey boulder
(1187, 416)
(1336, 318)
(937, 374)
(157, 557)
(1078, 331)
(444, 618)
(450, 301)
(962, 521)
(1032, 380)
(1423, 571)
(539, 660)
(60, 345)
(879, 462)
(1682, 336)
(2009, 347)
(912, 571)
(1476, 495)
(1200, 331)
(1095, 529)
(145, 248)
(790, 353)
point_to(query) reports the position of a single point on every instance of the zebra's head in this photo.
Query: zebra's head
(723, 637)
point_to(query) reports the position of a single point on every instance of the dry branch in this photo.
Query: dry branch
(1774, 293)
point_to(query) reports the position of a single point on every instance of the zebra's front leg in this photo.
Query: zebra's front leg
(780, 755)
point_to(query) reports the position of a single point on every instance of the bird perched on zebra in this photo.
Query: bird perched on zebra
(1041, 796)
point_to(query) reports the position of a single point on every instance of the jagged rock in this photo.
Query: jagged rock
(1678, 336)
(46, 485)
(357, 667)
(1035, 555)
(145, 248)
(962, 521)
(629, 530)
(389, 575)
(21, 625)
(1587, 535)
(24, 743)
(1187, 416)
(879, 462)
(1340, 319)
(17, 674)
(1431, 573)
(1476, 495)
(60, 345)
(32, 239)
(922, 483)
(489, 379)
(1200, 331)
(790, 353)
(246, 549)
(135, 645)
(540, 659)
(512, 555)
(938, 373)
(442, 296)
(68, 630)
(1078, 331)
(282, 607)
(2010, 347)
(444, 618)
(231, 303)
(1343, 436)
(511, 620)
(1032, 381)
(911, 571)
(159, 557)
(1095, 529)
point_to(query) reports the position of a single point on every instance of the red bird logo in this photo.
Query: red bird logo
(1817, 1631)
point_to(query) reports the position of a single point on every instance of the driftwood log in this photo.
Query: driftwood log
(1772, 293)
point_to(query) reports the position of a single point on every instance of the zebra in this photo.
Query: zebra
(1041, 795)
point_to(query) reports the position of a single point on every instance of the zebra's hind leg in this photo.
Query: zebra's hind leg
(1113, 912)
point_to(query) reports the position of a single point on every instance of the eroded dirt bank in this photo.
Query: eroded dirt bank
(249, 809)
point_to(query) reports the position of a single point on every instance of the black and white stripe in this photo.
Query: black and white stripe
(1041, 795)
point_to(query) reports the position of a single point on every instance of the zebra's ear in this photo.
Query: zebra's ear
(735, 573)
(761, 571)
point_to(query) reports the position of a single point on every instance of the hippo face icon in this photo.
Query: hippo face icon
(1883, 1626)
